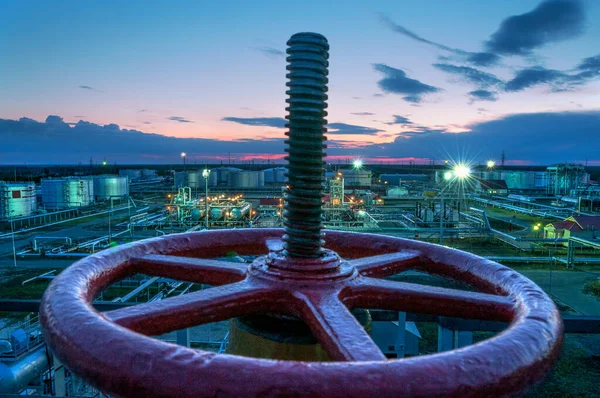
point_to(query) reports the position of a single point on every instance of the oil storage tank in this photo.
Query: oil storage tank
(194, 179)
(132, 174)
(64, 193)
(223, 174)
(149, 174)
(276, 175)
(110, 186)
(245, 179)
(17, 200)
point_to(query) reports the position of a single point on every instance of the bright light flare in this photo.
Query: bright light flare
(357, 163)
(183, 154)
(461, 171)
(448, 175)
(205, 173)
(491, 164)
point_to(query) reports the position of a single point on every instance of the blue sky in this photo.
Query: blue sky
(212, 74)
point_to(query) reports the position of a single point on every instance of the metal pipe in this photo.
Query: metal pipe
(17, 375)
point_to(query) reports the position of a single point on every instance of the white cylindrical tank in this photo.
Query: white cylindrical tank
(541, 179)
(194, 179)
(261, 178)
(276, 175)
(132, 174)
(148, 174)
(268, 173)
(17, 200)
(63, 193)
(280, 175)
(243, 179)
(109, 186)
(223, 174)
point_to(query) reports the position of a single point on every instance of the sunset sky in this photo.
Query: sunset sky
(422, 79)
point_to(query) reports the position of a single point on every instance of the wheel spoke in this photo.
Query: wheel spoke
(188, 269)
(338, 331)
(386, 264)
(205, 306)
(410, 297)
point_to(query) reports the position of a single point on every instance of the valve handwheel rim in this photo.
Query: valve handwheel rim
(113, 351)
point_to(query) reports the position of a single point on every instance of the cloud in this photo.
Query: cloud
(277, 122)
(482, 95)
(362, 113)
(179, 119)
(478, 78)
(530, 77)
(590, 63)
(396, 82)
(399, 120)
(483, 59)
(89, 88)
(537, 137)
(56, 142)
(343, 128)
(475, 58)
(587, 70)
(271, 52)
(551, 21)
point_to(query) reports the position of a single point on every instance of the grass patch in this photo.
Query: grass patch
(10, 284)
(575, 374)
(592, 288)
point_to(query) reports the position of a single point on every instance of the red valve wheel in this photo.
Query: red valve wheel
(113, 352)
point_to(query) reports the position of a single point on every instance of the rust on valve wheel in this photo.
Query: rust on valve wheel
(112, 350)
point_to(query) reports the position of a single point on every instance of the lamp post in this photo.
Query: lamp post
(206, 174)
(12, 233)
(183, 156)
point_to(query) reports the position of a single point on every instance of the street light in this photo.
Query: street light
(357, 163)
(205, 174)
(491, 164)
(461, 171)
(448, 175)
(183, 155)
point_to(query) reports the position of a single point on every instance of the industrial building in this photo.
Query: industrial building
(356, 178)
(587, 227)
(396, 179)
